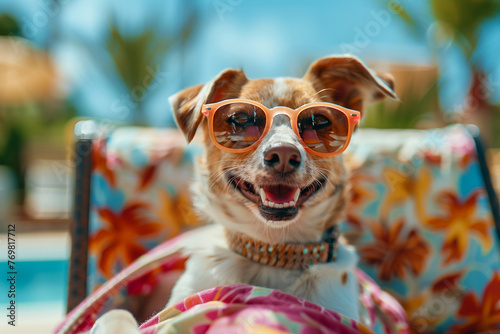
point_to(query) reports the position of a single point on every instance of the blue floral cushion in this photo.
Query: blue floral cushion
(421, 220)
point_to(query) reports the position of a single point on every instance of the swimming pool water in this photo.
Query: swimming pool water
(39, 281)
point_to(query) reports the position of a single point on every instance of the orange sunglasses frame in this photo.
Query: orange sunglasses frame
(353, 118)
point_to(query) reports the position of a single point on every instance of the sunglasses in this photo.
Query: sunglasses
(238, 126)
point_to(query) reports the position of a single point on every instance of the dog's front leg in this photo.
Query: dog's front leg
(185, 287)
(333, 285)
(197, 277)
(216, 266)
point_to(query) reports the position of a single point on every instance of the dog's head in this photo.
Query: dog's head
(277, 192)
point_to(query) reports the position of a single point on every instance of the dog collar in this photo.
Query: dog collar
(291, 256)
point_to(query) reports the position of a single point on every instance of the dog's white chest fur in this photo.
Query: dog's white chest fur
(212, 263)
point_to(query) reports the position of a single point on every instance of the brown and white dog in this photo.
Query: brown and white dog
(229, 186)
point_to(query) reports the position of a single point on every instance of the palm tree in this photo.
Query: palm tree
(461, 21)
(138, 57)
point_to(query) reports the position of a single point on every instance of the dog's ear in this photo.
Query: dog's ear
(187, 104)
(345, 80)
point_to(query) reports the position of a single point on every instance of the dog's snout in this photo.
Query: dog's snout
(284, 158)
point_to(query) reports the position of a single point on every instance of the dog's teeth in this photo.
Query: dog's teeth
(267, 203)
(262, 194)
(286, 205)
(296, 196)
(278, 206)
(271, 204)
(291, 204)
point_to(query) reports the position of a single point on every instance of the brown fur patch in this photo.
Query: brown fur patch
(345, 278)
(348, 81)
(185, 104)
(294, 92)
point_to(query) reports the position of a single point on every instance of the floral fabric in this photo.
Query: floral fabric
(233, 309)
(419, 216)
(139, 197)
(249, 309)
(423, 227)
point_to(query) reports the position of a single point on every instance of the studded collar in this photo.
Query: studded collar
(292, 256)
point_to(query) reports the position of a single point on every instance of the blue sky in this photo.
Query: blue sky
(265, 38)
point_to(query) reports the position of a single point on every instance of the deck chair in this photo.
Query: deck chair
(423, 217)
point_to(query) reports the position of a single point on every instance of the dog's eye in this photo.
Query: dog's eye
(239, 118)
(315, 122)
(242, 118)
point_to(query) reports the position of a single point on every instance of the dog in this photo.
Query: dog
(273, 182)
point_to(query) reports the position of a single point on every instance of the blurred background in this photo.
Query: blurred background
(67, 60)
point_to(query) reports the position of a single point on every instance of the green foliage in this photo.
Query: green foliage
(138, 57)
(406, 115)
(134, 55)
(461, 19)
(34, 122)
(410, 21)
(12, 142)
(458, 20)
(9, 26)
(27, 123)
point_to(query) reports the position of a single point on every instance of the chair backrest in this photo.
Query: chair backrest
(131, 193)
(422, 215)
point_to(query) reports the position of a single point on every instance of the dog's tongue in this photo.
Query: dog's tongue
(252, 133)
(279, 194)
(310, 136)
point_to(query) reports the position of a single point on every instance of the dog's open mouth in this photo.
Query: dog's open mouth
(277, 202)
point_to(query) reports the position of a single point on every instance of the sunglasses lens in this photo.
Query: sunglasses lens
(238, 125)
(323, 129)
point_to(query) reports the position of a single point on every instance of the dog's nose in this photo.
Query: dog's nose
(283, 159)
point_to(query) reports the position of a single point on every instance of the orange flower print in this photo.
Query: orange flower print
(405, 185)
(359, 194)
(176, 211)
(119, 239)
(147, 177)
(448, 283)
(481, 316)
(460, 225)
(464, 157)
(433, 157)
(394, 255)
(420, 306)
(100, 162)
(414, 306)
(467, 158)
